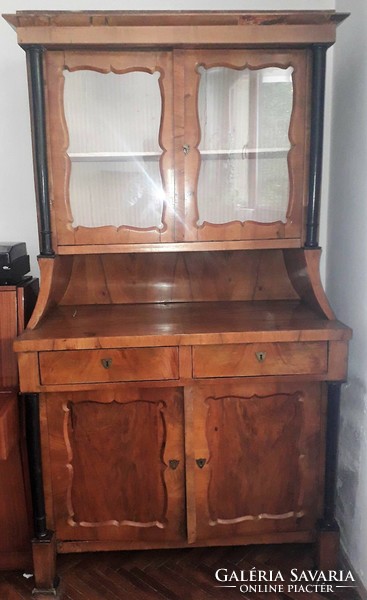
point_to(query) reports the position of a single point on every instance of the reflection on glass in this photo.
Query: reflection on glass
(113, 124)
(244, 118)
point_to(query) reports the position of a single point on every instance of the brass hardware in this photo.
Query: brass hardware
(173, 464)
(186, 149)
(200, 462)
(261, 356)
(106, 362)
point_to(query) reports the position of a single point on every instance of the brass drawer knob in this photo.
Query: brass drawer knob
(200, 462)
(261, 356)
(173, 464)
(106, 362)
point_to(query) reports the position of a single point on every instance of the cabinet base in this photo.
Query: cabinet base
(44, 564)
(328, 545)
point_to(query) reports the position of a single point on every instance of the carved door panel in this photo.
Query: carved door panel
(255, 459)
(117, 465)
(243, 144)
(110, 146)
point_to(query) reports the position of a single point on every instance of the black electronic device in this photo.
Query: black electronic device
(14, 262)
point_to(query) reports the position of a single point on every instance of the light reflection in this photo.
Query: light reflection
(113, 123)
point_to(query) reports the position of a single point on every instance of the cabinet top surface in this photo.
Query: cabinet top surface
(89, 327)
(106, 17)
(192, 27)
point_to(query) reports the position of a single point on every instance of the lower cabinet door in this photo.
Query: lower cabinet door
(254, 460)
(116, 464)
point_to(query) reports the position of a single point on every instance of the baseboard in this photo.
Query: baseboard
(346, 565)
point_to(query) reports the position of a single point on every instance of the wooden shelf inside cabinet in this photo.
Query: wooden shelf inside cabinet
(184, 323)
(245, 153)
(112, 156)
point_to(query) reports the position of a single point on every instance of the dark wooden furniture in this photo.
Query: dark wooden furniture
(181, 369)
(16, 305)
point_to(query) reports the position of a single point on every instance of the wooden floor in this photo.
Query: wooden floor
(170, 574)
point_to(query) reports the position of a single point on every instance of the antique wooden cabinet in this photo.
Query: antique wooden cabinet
(16, 305)
(182, 366)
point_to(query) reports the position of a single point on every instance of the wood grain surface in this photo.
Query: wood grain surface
(95, 327)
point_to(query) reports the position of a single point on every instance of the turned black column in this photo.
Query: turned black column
(38, 122)
(331, 458)
(316, 143)
(35, 465)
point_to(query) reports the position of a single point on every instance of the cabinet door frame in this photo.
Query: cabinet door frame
(58, 466)
(188, 135)
(310, 448)
(120, 62)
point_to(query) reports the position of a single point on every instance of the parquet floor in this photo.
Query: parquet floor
(172, 575)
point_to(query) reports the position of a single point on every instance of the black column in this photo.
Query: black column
(316, 143)
(38, 122)
(331, 457)
(35, 465)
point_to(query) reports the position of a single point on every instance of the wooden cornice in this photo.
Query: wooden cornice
(181, 28)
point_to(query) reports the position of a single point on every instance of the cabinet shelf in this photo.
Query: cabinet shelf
(246, 153)
(205, 154)
(112, 156)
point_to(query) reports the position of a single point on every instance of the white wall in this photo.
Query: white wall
(17, 204)
(346, 268)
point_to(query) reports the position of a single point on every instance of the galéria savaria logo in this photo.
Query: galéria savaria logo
(296, 580)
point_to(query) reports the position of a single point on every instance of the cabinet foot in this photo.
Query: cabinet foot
(44, 564)
(327, 556)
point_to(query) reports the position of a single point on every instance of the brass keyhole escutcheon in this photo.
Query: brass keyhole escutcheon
(200, 462)
(106, 362)
(173, 464)
(261, 356)
(186, 149)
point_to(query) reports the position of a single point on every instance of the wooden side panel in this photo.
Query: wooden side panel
(15, 550)
(303, 266)
(16, 304)
(338, 361)
(8, 331)
(9, 424)
(257, 459)
(111, 462)
(55, 274)
(29, 377)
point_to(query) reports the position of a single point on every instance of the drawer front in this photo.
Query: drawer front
(94, 366)
(235, 360)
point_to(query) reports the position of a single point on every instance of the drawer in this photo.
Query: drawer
(122, 364)
(235, 360)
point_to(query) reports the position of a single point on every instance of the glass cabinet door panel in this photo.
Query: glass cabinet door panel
(111, 147)
(245, 144)
(113, 123)
(244, 118)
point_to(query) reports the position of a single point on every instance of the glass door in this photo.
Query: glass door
(244, 145)
(113, 171)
